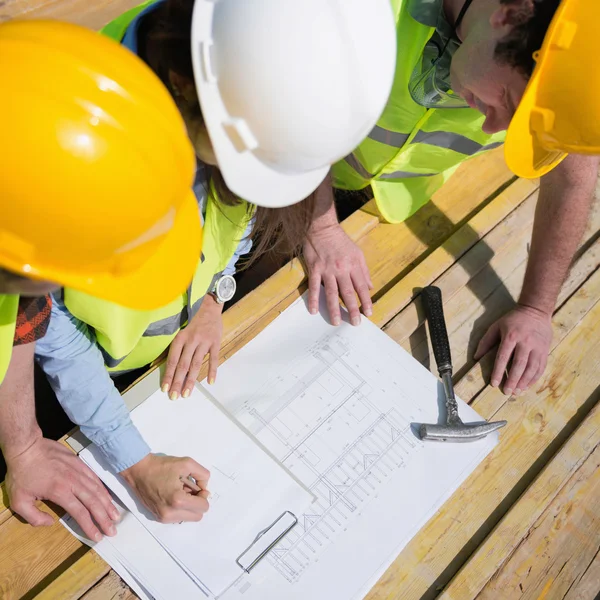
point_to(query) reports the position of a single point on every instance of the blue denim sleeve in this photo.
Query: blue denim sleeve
(74, 365)
(244, 247)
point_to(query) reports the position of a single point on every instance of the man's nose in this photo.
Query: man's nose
(495, 122)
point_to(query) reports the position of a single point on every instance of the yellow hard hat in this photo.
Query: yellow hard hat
(96, 168)
(559, 110)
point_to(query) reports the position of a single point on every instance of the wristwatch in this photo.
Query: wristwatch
(224, 289)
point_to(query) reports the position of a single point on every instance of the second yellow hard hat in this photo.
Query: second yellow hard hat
(559, 110)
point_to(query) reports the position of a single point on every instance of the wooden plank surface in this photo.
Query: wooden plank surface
(81, 576)
(524, 522)
(112, 587)
(493, 217)
(561, 545)
(537, 422)
(94, 14)
(30, 557)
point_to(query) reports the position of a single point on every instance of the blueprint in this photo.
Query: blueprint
(337, 406)
(249, 491)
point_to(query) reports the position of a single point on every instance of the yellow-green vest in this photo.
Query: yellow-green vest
(9, 305)
(131, 338)
(412, 150)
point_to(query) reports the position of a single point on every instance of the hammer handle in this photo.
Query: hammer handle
(434, 311)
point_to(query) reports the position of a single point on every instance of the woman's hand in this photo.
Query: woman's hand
(160, 482)
(202, 336)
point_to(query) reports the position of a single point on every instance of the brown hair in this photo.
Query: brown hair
(531, 22)
(167, 32)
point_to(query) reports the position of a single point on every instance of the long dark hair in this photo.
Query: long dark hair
(167, 32)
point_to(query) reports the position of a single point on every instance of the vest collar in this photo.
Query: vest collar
(130, 39)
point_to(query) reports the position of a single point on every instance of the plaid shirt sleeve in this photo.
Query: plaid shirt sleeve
(33, 318)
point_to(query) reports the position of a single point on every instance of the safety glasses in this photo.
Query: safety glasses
(429, 84)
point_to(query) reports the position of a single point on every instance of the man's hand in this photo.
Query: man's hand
(47, 470)
(202, 336)
(335, 260)
(525, 335)
(159, 482)
(561, 216)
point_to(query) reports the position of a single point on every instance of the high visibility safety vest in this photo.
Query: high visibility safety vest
(129, 338)
(9, 305)
(412, 150)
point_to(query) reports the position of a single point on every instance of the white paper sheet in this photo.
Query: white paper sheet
(249, 488)
(109, 553)
(337, 406)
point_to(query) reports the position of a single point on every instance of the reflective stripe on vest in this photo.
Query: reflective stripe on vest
(9, 306)
(410, 144)
(129, 339)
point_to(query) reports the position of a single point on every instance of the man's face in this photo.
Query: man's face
(12, 283)
(492, 88)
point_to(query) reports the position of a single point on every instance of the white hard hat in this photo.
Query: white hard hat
(289, 87)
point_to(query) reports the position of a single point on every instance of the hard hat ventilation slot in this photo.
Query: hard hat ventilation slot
(208, 69)
(240, 135)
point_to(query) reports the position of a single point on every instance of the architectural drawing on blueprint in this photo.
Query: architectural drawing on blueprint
(340, 434)
(335, 406)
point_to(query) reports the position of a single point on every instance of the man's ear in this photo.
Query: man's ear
(512, 13)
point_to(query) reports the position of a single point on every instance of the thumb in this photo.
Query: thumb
(31, 513)
(488, 341)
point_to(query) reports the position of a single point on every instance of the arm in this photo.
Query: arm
(75, 368)
(38, 468)
(334, 259)
(242, 249)
(200, 337)
(561, 216)
(18, 426)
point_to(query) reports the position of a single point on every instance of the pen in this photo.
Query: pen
(190, 482)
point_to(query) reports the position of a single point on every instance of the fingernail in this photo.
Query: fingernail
(495, 383)
(165, 388)
(185, 394)
(508, 391)
(98, 536)
(336, 320)
(112, 530)
(114, 515)
(517, 392)
(174, 396)
(211, 380)
(368, 312)
(355, 321)
(312, 310)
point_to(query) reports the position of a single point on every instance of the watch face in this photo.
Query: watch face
(226, 288)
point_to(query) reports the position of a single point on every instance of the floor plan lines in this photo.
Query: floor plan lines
(337, 407)
(338, 433)
(342, 488)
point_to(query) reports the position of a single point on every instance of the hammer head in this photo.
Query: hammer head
(458, 432)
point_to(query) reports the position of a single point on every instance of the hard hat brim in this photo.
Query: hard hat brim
(160, 279)
(524, 154)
